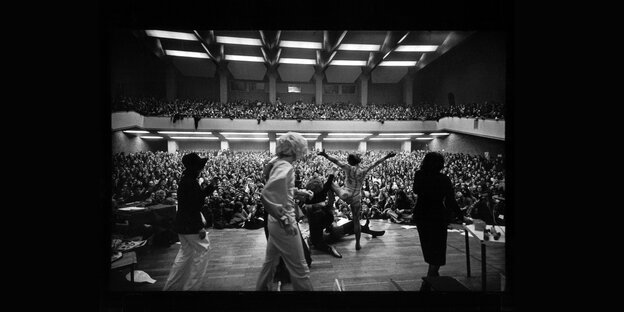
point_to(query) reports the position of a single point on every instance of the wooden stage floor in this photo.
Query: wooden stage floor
(236, 257)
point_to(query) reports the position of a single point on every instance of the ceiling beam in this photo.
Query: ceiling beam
(210, 46)
(270, 48)
(390, 43)
(331, 42)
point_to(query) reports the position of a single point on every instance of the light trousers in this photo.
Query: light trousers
(190, 264)
(290, 248)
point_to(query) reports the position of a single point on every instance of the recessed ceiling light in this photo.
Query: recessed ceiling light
(440, 133)
(135, 131)
(150, 137)
(424, 138)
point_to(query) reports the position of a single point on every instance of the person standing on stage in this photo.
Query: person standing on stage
(435, 209)
(278, 198)
(189, 267)
(354, 179)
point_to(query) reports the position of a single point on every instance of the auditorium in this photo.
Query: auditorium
(309, 160)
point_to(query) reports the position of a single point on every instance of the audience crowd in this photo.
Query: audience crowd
(261, 111)
(151, 178)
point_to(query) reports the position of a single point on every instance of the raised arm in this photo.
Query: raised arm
(390, 155)
(332, 159)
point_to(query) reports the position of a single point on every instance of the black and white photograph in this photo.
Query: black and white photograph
(302, 160)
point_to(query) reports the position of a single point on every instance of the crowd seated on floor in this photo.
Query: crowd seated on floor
(150, 178)
(262, 111)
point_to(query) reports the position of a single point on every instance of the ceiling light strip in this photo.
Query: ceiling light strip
(186, 54)
(244, 58)
(416, 48)
(135, 131)
(297, 61)
(239, 41)
(300, 44)
(171, 35)
(359, 47)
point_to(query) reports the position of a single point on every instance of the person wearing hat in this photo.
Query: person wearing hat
(278, 199)
(190, 264)
(354, 179)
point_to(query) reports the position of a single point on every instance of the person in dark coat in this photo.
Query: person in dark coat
(435, 209)
(191, 262)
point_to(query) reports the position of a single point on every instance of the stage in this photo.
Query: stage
(236, 257)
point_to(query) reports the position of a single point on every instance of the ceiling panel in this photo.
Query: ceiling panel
(292, 72)
(239, 33)
(426, 37)
(298, 53)
(365, 37)
(194, 67)
(386, 74)
(235, 49)
(182, 45)
(342, 74)
(304, 35)
(404, 56)
(247, 70)
(352, 55)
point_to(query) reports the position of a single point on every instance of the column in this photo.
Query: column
(318, 145)
(225, 145)
(362, 147)
(318, 77)
(406, 146)
(364, 88)
(272, 86)
(223, 83)
(172, 146)
(272, 145)
(171, 86)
